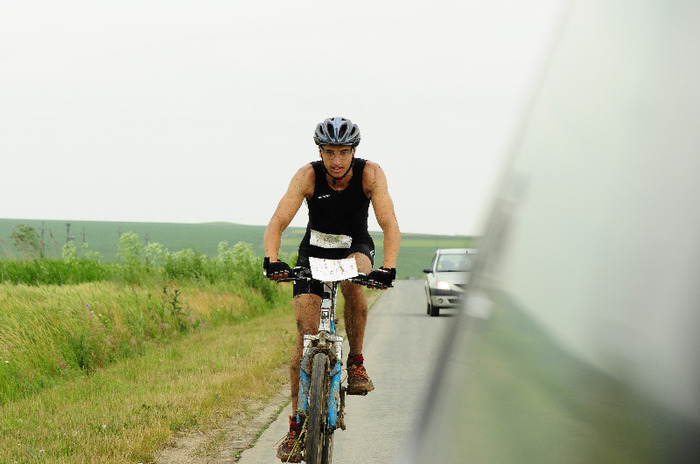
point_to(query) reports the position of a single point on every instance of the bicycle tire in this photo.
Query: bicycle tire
(319, 441)
(327, 457)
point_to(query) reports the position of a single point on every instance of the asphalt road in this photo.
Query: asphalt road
(401, 344)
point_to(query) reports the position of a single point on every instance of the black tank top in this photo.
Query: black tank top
(342, 212)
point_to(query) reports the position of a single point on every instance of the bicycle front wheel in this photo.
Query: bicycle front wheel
(319, 440)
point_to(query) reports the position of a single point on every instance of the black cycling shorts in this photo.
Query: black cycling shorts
(314, 286)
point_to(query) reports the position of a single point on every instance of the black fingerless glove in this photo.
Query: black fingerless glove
(275, 268)
(381, 278)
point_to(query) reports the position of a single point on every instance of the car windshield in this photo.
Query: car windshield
(454, 263)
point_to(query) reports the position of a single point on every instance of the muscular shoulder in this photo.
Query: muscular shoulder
(373, 178)
(307, 172)
(304, 180)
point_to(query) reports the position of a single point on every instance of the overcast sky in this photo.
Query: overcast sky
(201, 111)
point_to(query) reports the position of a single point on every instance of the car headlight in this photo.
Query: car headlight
(442, 285)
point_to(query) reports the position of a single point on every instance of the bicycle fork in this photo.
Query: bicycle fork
(335, 395)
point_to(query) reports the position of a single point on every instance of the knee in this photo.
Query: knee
(306, 311)
(353, 294)
(306, 328)
(364, 265)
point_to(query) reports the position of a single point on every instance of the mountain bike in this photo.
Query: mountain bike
(321, 395)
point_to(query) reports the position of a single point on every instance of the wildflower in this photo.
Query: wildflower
(89, 311)
(104, 426)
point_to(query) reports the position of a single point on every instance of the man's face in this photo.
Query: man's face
(337, 158)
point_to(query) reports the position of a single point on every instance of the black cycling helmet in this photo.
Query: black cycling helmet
(337, 131)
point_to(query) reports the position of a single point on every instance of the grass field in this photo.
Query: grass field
(103, 237)
(123, 411)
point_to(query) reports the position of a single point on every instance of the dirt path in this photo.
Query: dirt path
(224, 444)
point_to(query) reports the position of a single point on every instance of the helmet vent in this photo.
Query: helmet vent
(337, 131)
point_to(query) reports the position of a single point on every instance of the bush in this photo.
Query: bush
(241, 264)
(27, 241)
(186, 264)
(142, 265)
(131, 258)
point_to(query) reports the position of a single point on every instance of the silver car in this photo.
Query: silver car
(447, 278)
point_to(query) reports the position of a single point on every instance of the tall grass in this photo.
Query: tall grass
(63, 318)
(49, 334)
(67, 318)
(125, 412)
(107, 371)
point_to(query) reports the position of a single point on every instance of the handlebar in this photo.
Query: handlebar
(303, 273)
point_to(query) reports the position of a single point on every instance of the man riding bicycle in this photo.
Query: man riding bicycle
(338, 190)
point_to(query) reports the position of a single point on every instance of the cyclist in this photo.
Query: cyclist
(338, 190)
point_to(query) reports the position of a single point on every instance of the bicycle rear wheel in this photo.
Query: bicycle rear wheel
(319, 440)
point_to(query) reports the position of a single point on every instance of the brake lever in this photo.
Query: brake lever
(360, 279)
(297, 273)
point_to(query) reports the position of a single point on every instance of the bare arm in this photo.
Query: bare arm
(301, 186)
(376, 188)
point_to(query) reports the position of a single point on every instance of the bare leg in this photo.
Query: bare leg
(356, 307)
(306, 310)
(359, 382)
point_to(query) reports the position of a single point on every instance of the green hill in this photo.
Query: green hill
(103, 237)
